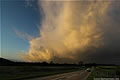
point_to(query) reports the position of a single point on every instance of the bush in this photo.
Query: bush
(117, 72)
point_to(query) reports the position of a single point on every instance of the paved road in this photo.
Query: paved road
(78, 75)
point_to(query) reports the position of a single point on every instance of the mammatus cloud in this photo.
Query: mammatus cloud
(68, 30)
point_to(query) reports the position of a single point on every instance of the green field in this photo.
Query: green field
(105, 72)
(22, 72)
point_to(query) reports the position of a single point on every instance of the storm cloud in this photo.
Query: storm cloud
(75, 30)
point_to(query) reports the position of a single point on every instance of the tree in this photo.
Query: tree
(80, 63)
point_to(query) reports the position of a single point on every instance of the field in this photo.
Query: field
(22, 72)
(105, 72)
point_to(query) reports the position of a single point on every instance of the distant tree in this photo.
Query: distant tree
(44, 63)
(80, 63)
(51, 62)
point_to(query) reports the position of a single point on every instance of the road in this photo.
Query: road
(78, 75)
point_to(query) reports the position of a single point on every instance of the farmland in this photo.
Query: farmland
(22, 72)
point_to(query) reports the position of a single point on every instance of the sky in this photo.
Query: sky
(59, 31)
(20, 17)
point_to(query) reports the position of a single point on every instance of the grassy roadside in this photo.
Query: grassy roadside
(105, 72)
(22, 72)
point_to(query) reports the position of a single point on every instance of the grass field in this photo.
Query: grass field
(21, 72)
(105, 72)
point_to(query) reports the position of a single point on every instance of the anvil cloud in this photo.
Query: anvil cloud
(68, 30)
